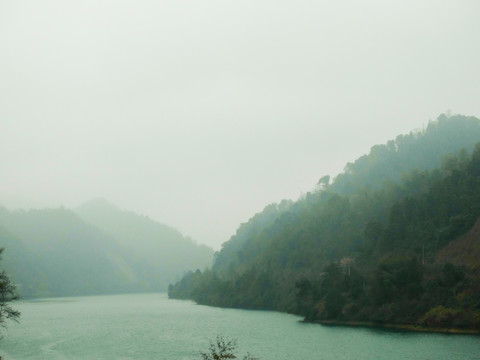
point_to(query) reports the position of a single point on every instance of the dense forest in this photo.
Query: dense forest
(59, 252)
(393, 239)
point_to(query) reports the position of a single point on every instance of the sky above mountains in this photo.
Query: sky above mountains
(200, 113)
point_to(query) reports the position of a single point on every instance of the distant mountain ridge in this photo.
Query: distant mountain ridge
(55, 252)
(164, 248)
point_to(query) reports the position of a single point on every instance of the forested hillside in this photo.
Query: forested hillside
(165, 249)
(423, 150)
(54, 252)
(365, 247)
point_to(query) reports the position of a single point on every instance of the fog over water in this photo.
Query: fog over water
(200, 113)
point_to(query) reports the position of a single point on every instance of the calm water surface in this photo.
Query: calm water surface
(150, 326)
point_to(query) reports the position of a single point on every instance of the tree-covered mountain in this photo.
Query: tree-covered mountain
(65, 256)
(364, 248)
(54, 252)
(165, 249)
(423, 150)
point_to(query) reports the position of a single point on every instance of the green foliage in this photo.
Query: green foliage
(440, 316)
(223, 348)
(397, 279)
(8, 294)
(334, 302)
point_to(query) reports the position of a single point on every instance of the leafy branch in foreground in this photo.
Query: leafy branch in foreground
(223, 348)
(8, 294)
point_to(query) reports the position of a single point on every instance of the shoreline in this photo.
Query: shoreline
(401, 327)
(368, 324)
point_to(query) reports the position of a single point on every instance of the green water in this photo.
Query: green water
(150, 326)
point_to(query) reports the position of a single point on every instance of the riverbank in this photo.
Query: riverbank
(401, 327)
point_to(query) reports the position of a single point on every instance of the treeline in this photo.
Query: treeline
(364, 248)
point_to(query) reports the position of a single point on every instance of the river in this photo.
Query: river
(151, 326)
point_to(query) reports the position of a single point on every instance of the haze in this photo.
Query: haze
(200, 113)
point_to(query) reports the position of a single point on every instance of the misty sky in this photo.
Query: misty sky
(200, 113)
